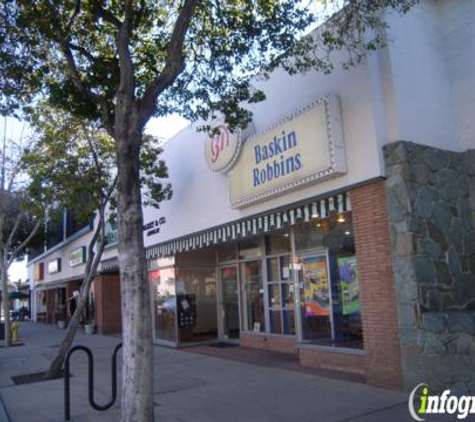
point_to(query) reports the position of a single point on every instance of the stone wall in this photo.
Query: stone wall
(431, 205)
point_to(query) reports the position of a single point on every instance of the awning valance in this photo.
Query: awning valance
(252, 226)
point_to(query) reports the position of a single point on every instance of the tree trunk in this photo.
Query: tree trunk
(6, 306)
(93, 259)
(56, 365)
(137, 377)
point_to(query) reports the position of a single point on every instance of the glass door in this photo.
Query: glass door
(252, 296)
(229, 302)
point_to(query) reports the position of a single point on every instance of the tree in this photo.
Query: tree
(121, 62)
(71, 166)
(18, 224)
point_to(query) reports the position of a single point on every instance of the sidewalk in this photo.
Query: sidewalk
(189, 386)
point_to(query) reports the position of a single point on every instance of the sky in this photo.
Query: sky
(163, 127)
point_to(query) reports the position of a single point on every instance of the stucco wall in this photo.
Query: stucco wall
(432, 74)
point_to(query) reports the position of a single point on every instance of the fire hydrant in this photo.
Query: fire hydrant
(15, 329)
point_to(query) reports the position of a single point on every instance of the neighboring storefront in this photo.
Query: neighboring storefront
(57, 276)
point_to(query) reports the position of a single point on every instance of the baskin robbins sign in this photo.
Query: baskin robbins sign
(305, 148)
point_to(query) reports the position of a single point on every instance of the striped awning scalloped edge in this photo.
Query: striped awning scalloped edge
(252, 226)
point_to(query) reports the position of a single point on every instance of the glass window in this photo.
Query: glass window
(328, 281)
(278, 243)
(314, 297)
(249, 248)
(227, 252)
(281, 295)
(196, 304)
(162, 283)
(252, 296)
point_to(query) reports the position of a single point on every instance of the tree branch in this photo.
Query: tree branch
(174, 64)
(14, 230)
(106, 15)
(26, 241)
(76, 77)
(64, 45)
(127, 83)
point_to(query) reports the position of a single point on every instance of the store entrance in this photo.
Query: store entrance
(229, 303)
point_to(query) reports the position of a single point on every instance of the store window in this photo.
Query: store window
(249, 248)
(162, 283)
(327, 275)
(196, 304)
(227, 252)
(280, 285)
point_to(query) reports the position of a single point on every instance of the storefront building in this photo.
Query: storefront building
(311, 232)
(289, 275)
(318, 230)
(57, 275)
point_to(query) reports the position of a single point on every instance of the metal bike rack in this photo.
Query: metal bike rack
(67, 376)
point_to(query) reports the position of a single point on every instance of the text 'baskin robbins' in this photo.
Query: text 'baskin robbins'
(270, 161)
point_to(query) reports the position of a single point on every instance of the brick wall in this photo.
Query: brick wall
(107, 300)
(377, 293)
(268, 342)
(332, 360)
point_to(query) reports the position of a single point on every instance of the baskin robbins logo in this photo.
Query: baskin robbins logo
(222, 149)
(421, 404)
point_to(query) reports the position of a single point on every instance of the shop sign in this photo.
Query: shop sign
(222, 150)
(305, 148)
(54, 266)
(38, 271)
(77, 256)
(153, 227)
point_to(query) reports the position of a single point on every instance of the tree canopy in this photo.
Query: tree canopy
(191, 57)
(71, 165)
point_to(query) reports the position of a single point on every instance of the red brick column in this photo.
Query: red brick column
(377, 293)
(107, 304)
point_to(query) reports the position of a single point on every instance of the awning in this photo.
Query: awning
(252, 226)
(110, 265)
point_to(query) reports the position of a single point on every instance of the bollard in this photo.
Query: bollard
(15, 330)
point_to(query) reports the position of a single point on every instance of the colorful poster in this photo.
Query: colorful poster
(350, 289)
(316, 290)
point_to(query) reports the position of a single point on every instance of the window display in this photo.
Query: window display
(327, 273)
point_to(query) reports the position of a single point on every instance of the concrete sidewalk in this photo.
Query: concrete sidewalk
(188, 387)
